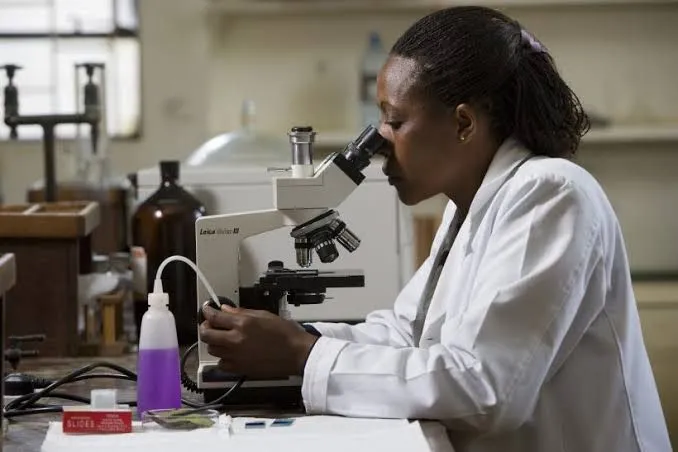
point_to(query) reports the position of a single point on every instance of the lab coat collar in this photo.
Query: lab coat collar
(508, 156)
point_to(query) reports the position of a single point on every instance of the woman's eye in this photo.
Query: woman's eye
(395, 125)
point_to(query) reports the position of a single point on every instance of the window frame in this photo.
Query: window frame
(118, 32)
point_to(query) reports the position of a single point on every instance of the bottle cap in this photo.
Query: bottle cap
(169, 169)
(158, 300)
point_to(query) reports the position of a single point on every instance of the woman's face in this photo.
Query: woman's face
(426, 152)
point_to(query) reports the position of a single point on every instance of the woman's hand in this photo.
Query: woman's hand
(256, 344)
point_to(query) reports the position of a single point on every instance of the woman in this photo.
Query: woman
(520, 332)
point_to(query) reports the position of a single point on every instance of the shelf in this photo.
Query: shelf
(632, 134)
(614, 135)
(279, 7)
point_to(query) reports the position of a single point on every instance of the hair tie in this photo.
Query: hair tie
(531, 41)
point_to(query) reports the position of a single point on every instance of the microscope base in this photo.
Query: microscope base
(282, 394)
(283, 398)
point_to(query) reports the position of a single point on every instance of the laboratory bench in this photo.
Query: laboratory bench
(657, 296)
(26, 433)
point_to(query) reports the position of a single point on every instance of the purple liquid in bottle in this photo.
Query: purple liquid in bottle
(159, 383)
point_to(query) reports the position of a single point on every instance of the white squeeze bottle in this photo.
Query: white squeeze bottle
(374, 57)
(158, 366)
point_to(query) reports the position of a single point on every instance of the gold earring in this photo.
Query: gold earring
(462, 138)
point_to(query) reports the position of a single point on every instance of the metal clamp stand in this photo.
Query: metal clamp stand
(91, 115)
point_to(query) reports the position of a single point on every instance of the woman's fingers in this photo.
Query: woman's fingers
(218, 351)
(218, 337)
(220, 319)
(226, 365)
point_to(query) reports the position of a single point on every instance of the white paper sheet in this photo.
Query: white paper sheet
(307, 434)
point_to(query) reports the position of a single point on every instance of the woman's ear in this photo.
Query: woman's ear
(466, 120)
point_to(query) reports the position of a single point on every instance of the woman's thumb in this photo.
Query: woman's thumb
(230, 309)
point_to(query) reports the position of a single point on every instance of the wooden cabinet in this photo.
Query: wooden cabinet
(51, 243)
(425, 227)
(658, 308)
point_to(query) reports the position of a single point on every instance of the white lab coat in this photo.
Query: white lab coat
(532, 341)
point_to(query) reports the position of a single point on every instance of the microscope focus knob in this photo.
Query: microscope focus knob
(213, 305)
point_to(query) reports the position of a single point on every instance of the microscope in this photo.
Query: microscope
(304, 201)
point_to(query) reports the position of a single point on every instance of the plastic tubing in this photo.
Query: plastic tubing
(157, 286)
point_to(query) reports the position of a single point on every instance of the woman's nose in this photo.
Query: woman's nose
(384, 167)
(384, 131)
(387, 148)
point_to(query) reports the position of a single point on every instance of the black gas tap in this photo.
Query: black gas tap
(92, 102)
(14, 353)
(11, 96)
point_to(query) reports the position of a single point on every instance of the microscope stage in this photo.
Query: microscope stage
(311, 280)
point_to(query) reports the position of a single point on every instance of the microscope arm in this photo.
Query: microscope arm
(327, 188)
(218, 242)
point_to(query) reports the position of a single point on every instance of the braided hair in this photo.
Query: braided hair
(471, 54)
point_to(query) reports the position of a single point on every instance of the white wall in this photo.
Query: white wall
(303, 68)
(622, 61)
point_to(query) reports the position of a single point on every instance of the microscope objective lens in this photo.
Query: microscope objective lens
(327, 251)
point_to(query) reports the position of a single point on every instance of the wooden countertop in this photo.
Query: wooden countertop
(49, 220)
(7, 272)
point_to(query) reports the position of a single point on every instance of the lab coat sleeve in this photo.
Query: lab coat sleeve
(487, 370)
(391, 326)
(385, 326)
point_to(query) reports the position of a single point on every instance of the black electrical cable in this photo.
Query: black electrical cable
(43, 383)
(55, 395)
(185, 379)
(66, 396)
(193, 386)
(68, 379)
(27, 404)
(28, 411)
(111, 376)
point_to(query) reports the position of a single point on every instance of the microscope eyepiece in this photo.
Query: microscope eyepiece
(362, 149)
(301, 140)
